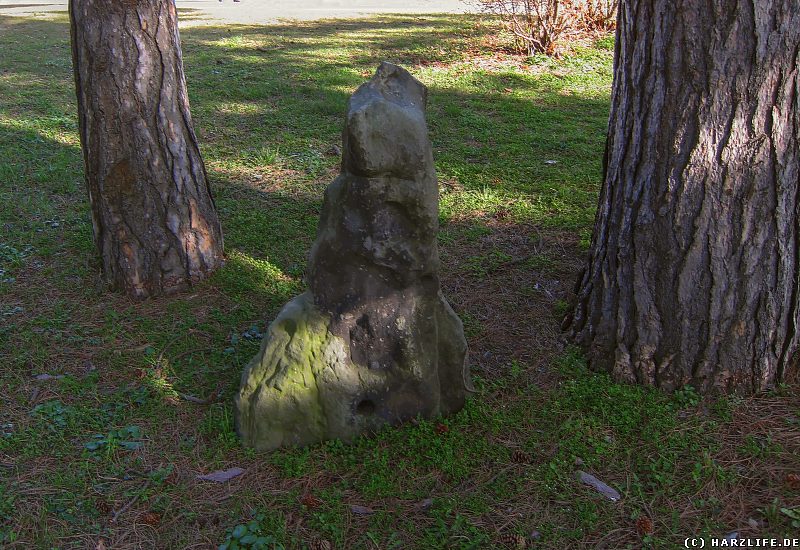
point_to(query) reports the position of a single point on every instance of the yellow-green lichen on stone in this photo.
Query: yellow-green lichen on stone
(278, 403)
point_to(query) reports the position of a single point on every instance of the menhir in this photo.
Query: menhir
(373, 341)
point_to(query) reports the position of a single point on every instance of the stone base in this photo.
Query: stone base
(305, 387)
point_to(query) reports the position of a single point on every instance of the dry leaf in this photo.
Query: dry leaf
(361, 510)
(222, 476)
(441, 429)
(607, 491)
(793, 481)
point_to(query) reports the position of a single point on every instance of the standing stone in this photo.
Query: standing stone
(373, 341)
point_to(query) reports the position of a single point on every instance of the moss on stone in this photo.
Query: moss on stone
(278, 403)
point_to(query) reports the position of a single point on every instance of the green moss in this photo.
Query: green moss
(279, 402)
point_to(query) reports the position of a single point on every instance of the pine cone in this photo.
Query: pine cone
(644, 526)
(320, 544)
(150, 518)
(513, 541)
(520, 457)
(310, 501)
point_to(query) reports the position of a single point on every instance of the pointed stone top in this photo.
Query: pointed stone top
(386, 133)
(394, 84)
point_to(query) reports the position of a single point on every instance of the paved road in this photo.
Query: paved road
(265, 11)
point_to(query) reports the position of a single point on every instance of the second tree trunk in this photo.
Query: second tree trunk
(693, 270)
(154, 219)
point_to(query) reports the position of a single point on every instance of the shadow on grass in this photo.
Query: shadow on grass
(290, 84)
(497, 135)
(516, 153)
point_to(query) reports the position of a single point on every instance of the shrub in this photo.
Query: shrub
(538, 26)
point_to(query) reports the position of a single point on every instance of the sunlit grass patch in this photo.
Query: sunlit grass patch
(242, 274)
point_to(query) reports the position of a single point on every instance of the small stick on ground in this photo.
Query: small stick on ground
(130, 503)
(214, 397)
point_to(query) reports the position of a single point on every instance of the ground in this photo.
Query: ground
(112, 409)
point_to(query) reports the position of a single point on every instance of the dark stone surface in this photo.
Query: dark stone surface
(373, 341)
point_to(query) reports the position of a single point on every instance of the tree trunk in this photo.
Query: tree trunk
(154, 218)
(692, 275)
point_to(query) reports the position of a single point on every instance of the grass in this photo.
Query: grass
(107, 447)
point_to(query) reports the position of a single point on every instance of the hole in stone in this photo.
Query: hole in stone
(364, 324)
(290, 327)
(366, 407)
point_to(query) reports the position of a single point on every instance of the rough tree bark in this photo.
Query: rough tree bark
(154, 218)
(692, 275)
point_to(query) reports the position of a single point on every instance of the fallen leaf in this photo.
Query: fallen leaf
(361, 510)
(221, 476)
(101, 545)
(644, 526)
(793, 481)
(49, 377)
(442, 429)
(607, 491)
